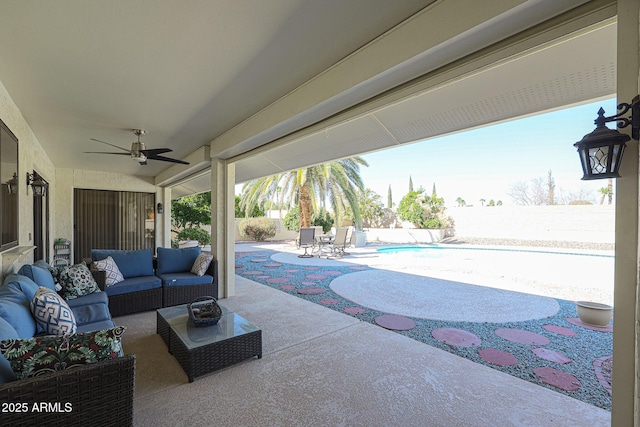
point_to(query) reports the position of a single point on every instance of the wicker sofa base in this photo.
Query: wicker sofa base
(176, 295)
(95, 394)
(135, 302)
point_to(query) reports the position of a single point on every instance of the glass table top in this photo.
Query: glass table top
(230, 325)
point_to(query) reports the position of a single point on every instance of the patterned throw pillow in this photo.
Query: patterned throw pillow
(35, 356)
(202, 263)
(109, 266)
(76, 281)
(52, 312)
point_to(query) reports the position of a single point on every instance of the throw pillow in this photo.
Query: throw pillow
(45, 354)
(202, 263)
(76, 281)
(52, 313)
(109, 266)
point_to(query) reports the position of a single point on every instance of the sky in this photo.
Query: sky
(485, 163)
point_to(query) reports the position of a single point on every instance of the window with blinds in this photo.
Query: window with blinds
(112, 220)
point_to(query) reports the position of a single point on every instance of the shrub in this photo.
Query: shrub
(258, 229)
(202, 236)
(424, 211)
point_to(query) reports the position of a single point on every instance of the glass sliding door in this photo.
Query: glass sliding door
(112, 220)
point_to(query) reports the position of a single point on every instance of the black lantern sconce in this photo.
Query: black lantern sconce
(601, 150)
(38, 184)
(160, 208)
(12, 184)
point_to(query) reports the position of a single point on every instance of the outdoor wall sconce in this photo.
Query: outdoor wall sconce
(38, 184)
(159, 208)
(12, 184)
(601, 150)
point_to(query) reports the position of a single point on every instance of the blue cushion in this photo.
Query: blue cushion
(97, 326)
(20, 290)
(19, 316)
(176, 260)
(135, 284)
(130, 263)
(39, 275)
(7, 332)
(90, 308)
(185, 279)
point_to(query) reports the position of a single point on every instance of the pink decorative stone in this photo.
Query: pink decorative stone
(239, 266)
(357, 267)
(308, 283)
(316, 276)
(259, 260)
(252, 272)
(293, 270)
(354, 310)
(329, 301)
(311, 291)
(332, 272)
(287, 287)
(273, 264)
(395, 322)
(522, 337)
(576, 321)
(558, 379)
(498, 357)
(456, 337)
(262, 277)
(602, 366)
(312, 268)
(560, 330)
(550, 355)
(278, 280)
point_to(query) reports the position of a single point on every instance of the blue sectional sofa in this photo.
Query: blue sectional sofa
(141, 289)
(179, 285)
(149, 284)
(97, 392)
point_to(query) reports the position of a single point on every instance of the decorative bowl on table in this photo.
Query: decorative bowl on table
(204, 311)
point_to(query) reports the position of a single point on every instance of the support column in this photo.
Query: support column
(223, 178)
(163, 220)
(625, 382)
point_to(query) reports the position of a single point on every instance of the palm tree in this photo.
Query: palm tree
(607, 191)
(310, 188)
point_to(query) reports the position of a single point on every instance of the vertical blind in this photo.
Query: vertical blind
(112, 220)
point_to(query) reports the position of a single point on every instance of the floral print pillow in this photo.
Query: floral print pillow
(75, 281)
(41, 355)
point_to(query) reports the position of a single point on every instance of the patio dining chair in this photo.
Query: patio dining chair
(340, 242)
(306, 240)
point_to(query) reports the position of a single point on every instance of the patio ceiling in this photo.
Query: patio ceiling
(191, 72)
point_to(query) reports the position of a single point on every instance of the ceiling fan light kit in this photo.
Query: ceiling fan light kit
(139, 152)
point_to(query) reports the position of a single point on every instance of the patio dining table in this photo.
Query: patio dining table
(324, 244)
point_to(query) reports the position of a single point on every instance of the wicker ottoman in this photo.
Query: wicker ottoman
(206, 349)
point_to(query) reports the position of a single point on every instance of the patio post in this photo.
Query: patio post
(223, 177)
(625, 335)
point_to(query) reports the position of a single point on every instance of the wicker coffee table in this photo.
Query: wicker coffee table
(206, 349)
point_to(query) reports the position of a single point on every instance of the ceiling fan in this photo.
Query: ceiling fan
(139, 152)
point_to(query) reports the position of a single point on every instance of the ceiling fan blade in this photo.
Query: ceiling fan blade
(108, 143)
(103, 152)
(155, 151)
(166, 159)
